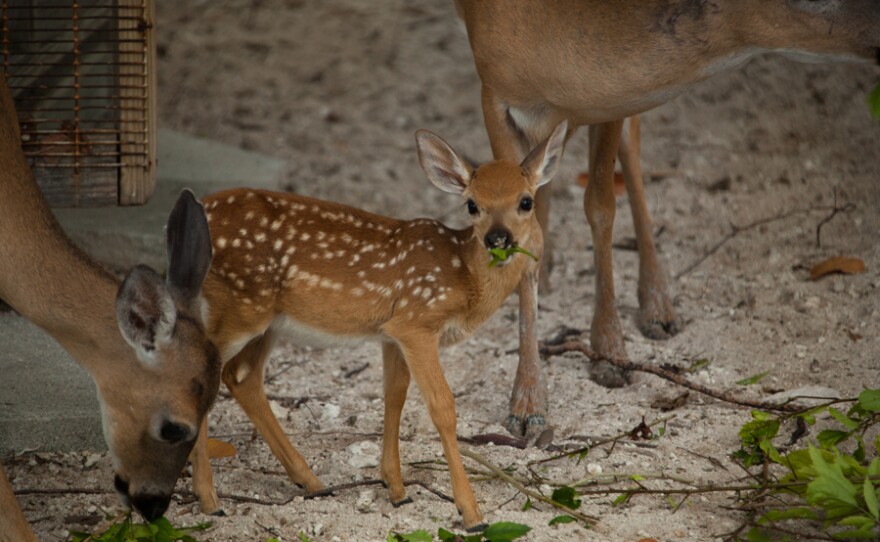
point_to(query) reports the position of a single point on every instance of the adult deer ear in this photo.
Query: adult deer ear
(145, 312)
(543, 162)
(448, 171)
(189, 247)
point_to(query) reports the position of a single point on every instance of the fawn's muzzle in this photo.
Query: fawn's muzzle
(151, 507)
(498, 238)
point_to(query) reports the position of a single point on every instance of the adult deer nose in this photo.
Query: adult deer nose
(151, 506)
(498, 238)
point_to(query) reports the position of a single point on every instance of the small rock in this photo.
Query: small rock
(365, 500)
(91, 460)
(363, 454)
(330, 412)
(594, 468)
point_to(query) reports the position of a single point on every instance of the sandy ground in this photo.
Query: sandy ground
(337, 89)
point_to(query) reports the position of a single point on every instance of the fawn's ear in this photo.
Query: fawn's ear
(543, 161)
(448, 171)
(189, 247)
(145, 312)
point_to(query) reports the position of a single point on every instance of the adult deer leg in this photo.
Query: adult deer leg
(599, 206)
(657, 318)
(528, 398)
(396, 377)
(13, 525)
(243, 375)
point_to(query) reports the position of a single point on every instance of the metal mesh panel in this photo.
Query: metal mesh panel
(81, 75)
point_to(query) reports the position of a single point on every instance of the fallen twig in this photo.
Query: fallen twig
(625, 364)
(586, 519)
(736, 230)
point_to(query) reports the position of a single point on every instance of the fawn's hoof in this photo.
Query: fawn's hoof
(610, 376)
(528, 426)
(219, 513)
(401, 502)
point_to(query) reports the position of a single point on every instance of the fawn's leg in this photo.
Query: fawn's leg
(606, 336)
(423, 359)
(243, 375)
(13, 525)
(202, 477)
(657, 318)
(396, 376)
(527, 403)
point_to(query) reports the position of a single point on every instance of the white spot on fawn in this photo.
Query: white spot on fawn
(278, 244)
(456, 262)
(260, 237)
(304, 237)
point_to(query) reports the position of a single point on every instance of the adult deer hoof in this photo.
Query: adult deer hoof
(528, 426)
(401, 502)
(609, 376)
(478, 528)
(660, 330)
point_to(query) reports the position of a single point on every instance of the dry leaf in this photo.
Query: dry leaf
(619, 185)
(218, 449)
(841, 264)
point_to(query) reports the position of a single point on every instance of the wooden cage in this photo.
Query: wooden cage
(82, 73)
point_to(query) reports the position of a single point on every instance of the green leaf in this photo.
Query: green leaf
(754, 379)
(445, 536)
(784, 514)
(501, 254)
(505, 531)
(303, 537)
(415, 536)
(527, 505)
(567, 497)
(859, 452)
(830, 484)
(844, 420)
(870, 495)
(623, 498)
(698, 364)
(870, 399)
(637, 478)
(831, 437)
(560, 520)
(757, 534)
(874, 101)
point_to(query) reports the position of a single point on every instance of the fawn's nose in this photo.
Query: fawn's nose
(498, 238)
(151, 506)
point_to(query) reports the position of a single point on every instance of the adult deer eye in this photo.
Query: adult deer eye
(173, 433)
(526, 203)
(472, 207)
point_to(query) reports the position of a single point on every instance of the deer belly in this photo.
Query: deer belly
(302, 334)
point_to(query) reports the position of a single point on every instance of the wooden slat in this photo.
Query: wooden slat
(137, 63)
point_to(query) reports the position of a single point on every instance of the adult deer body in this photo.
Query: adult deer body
(157, 378)
(322, 273)
(596, 62)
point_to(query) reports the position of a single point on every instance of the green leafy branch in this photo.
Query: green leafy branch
(160, 530)
(821, 483)
(497, 532)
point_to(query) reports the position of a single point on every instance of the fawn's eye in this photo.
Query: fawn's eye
(173, 433)
(526, 203)
(472, 207)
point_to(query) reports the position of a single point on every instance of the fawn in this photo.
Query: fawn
(321, 273)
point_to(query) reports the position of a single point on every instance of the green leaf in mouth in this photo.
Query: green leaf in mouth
(501, 254)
